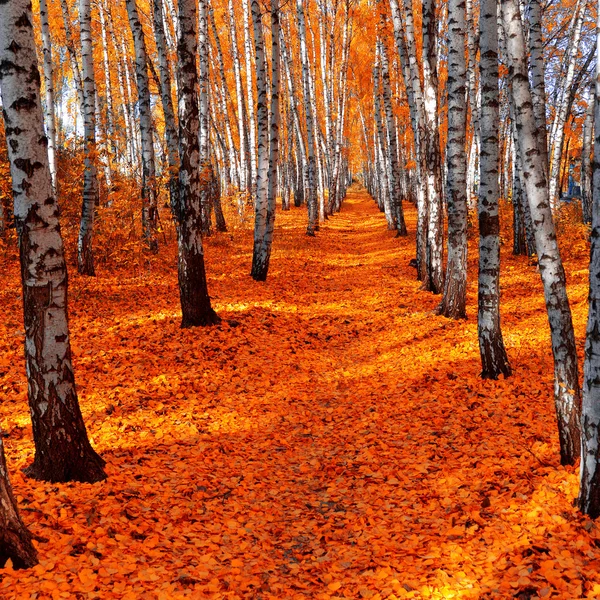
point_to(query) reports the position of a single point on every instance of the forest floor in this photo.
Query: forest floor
(331, 439)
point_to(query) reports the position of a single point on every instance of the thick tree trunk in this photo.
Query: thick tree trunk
(494, 361)
(63, 452)
(15, 539)
(589, 492)
(85, 255)
(167, 105)
(193, 290)
(566, 387)
(454, 300)
(149, 201)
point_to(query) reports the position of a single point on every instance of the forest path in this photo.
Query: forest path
(331, 439)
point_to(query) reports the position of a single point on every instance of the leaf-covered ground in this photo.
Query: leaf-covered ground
(331, 439)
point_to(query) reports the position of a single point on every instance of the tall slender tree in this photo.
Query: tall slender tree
(193, 289)
(149, 192)
(567, 396)
(454, 300)
(268, 145)
(166, 97)
(589, 492)
(494, 361)
(49, 85)
(85, 255)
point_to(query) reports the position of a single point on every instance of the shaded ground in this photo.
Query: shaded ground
(330, 440)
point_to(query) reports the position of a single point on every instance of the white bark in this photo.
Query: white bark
(63, 452)
(49, 85)
(566, 386)
(589, 493)
(454, 300)
(85, 257)
(149, 201)
(250, 95)
(494, 360)
(313, 217)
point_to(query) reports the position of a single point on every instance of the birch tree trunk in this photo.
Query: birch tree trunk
(586, 166)
(245, 173)
(406, 45)
(111, 146)
(63, 452)
(224, 100)
(167, 105)
(263, 212)
(454, 300)
(435, 233)
(15, 539)
(313, 208)
(393, 144)
(85, 255)
(566, 384)
(494, 361)
(474, 101)
(205, 172)
(149, 201)
(196, 308)
(49, 85)
(384, 196)
(72, 53)
(250, 102)
(589, 492)
(538, 72)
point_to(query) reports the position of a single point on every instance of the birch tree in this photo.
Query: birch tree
(494, 361)
(435, 222)
(196, 307)
(396, 188)
(264, 214)
(49, 86)
(62, 449)
(589, 492)
(313, 215)
(566, 384)
(586, 166)
(15, 538)
(149, 193)
(85, 256)
(167, 104)
(250, 94)
(454, 300)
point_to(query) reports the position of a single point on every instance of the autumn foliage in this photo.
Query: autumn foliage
(330, 439)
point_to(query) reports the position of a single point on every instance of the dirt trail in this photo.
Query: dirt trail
(330, 440)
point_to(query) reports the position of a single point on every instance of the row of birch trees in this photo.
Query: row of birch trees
(271, 127)
(512, 90)
(272, 97)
